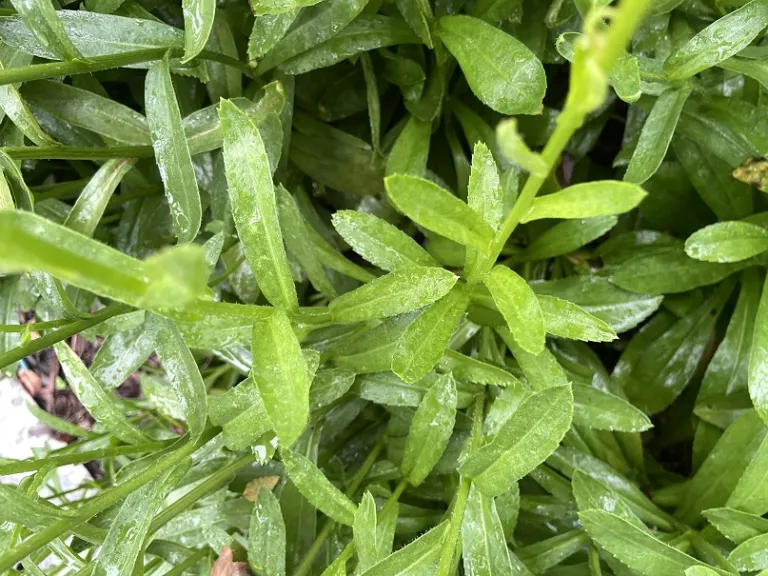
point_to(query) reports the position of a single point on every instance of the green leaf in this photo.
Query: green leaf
(515, 149)
(198, 23)
(501, 71)
(423, 343)
(567, 320)
(411, 149)
(379, 242)
(670, 361)
(19, 508)
(92, 202)
(430, 430)
(41, 18)
(183, 374)
(316, 488)
(438, 210)
(418, 557)
(100, 402)
(719, 41)
(254, 207)
(124, 543)
(656, 135)
(633, 546)
(16, 108)
(266, 536)
(758, 358)
(591, 494)
(418, 15)
(329, 385)
(318, 24)
(602, 410)
(588, 200)
(727, 242)
(720, 472)
(486, 197)
(267, 31)
(736, 525)
(530, 435)
(541, 370)
(484, 547)
(365, 33)
(280, 372)
(750, 555)
(568, 236)
(519, 306)
(364, 529)
(172, 152)
(751, 493)
(669, 271)
(393, 294)
(299, 244)
(56, 423)
(620, 309)
(241, 414)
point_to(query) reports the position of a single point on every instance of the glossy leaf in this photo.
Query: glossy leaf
(499, 69)
(418, 557)
(379, 242)
(718, 41)
(523, 442)
(484, 547)
(393, 294)
(198, 23)
(317, 489)
(568, 236)
(254, 207)
(431, 428)
(410, 150)
(486, 197)
(758, 359)
(266, 536)
(519, 306)
(183, 374)
(100, 402)
(736, 525)
(364, 529)
(601, 410)
(727, 242)
(172, 152)
(656, 135)
(280, 373)
(750, 555)
(425, 339)
(438, 210)
(40, 16)
(567, 320)
(589, 200)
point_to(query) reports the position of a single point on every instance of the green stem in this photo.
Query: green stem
(624, 22)
(105, 500)
(188, 562)
(98, 63)
(39, 326)
(457, 516)
(77, 152)
(314, 549)
(63, 333)
(211, 484)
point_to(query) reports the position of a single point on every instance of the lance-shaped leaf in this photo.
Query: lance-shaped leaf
(280, 372)
(485, 196)
(423, 343)
(172, 152)
(567, 320)
(40, 16)
(525, 440)
(635, 547)
(364, 529)
(431, 428)
(758, 358)
(568, 236)
(501, 71)
(125, 539)
(411, 149)
(736, 525)
(183, 374)
(101, 403)
(120, 355)
(266, 536)
(588, 200)
(316, 488)
(198, 23)
(727, 242)
(419, 557)
(595, 408)
(393, 294)
(718, 41)
(750, 555)
(379, 242)
(14, 106)
(484, 547)
(254, 207)
(656, 135)
(519, 306)
(89, 208)
(438, 210)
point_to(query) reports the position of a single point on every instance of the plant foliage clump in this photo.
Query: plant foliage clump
(409, 287)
